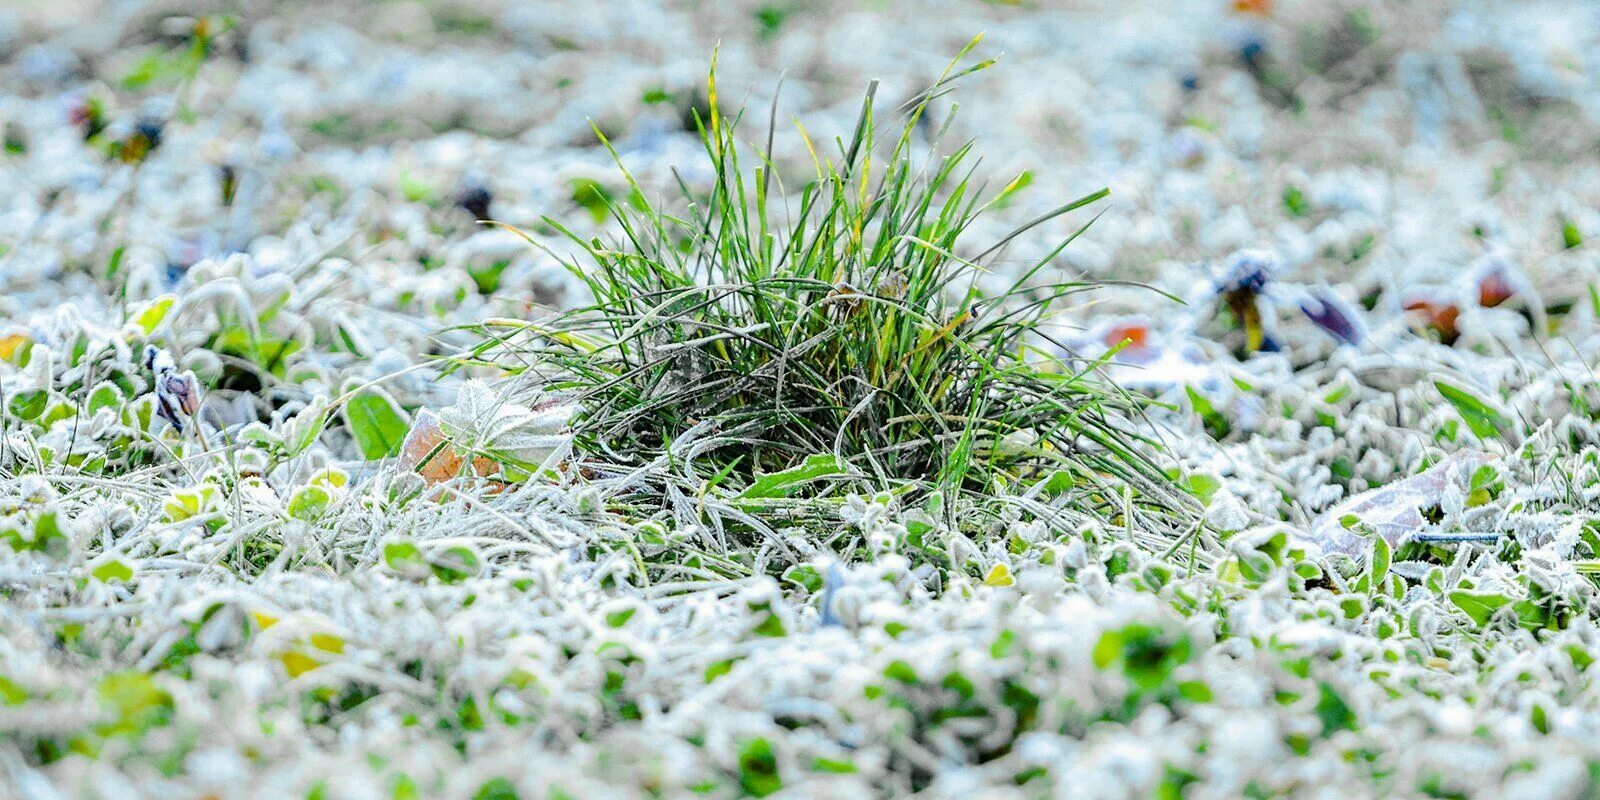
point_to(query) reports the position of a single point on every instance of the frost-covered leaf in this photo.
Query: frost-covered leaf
(427, 451)
(149, 318)
(309, 502)
(377, 423)
(999, 575)
(111, 568)
(455, 564)
(483, 422)
(14, 348)
(28, 405)
(781, 484)
(1482, 419)
(104, 395)
(1479, 605)
(1334, 316)
(1394, 511)
(405, 558)
(301, 430)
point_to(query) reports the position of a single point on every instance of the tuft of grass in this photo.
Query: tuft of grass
(836, 339)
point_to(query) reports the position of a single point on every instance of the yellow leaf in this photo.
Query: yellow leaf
(332, 477)
(327, 642)
(999, 575)
(183, 504)
(151, 316)
(14, 347)
(298, 663)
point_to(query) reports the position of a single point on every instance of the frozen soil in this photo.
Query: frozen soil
(266, 603)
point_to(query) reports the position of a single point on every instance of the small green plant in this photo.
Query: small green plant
(1482, 418)
(840, 341)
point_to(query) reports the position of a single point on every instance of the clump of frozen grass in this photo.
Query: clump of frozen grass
(748, 350)
(275, 605)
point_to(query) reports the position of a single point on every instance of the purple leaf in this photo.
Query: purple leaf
(1332, 315)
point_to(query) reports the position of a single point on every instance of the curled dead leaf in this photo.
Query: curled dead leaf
(431, 455)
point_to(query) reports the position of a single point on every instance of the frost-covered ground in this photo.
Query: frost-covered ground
(268, 603)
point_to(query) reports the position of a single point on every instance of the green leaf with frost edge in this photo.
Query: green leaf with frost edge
(783, 483)
(1483, 419)
(377, 423)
